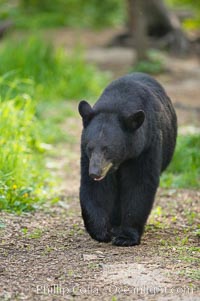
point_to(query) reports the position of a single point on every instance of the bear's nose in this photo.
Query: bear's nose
(95, 173)
(95, 176)
(95, 170)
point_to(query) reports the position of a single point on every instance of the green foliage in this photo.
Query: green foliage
(22, 171)
(184, 171)
(193, 6)
(50, 73)
(33, 80)
(75, 13)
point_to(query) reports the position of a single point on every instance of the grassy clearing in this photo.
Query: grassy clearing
(184, 171)
(34, 80)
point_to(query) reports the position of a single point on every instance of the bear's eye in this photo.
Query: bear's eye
(89, 150)
(105, 149)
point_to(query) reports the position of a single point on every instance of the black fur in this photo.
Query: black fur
(133, 125)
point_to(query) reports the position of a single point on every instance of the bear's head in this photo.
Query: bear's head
(106, 138)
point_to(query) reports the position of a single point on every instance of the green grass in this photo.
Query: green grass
(75, 13)
(154, 64)
(192, 6)
(22, 166)
(37, 83)
(184, 171)
(51, 73)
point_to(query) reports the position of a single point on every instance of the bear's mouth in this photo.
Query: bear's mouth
(99, 179)
(103, 173)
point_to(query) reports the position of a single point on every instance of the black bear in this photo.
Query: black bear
(128, 139)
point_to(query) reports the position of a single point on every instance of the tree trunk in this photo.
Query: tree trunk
(164, 24)
(161, 27)
(137, 28)
(4, 26)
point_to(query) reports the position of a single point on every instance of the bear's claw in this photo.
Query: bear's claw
(101, 237)
(125, 237)
(124, 241)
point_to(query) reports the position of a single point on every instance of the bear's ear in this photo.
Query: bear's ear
(135, 120)
(86, 112)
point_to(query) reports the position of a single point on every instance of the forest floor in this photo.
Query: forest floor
(47, 255)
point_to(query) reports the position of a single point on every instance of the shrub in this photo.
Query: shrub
(33, 78)
(22, 168)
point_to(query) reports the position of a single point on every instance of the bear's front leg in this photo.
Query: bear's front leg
(96, 221)
(139, 180)
(97, 199)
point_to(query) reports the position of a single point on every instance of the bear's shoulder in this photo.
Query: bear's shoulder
(132, 91)
(137, 80)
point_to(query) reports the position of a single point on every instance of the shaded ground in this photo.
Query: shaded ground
(181, 81)
(46, 255)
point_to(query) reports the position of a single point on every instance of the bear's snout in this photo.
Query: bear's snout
(95, 173)
(98, 167)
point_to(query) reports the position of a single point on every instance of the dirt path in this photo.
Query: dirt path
(47, 255)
